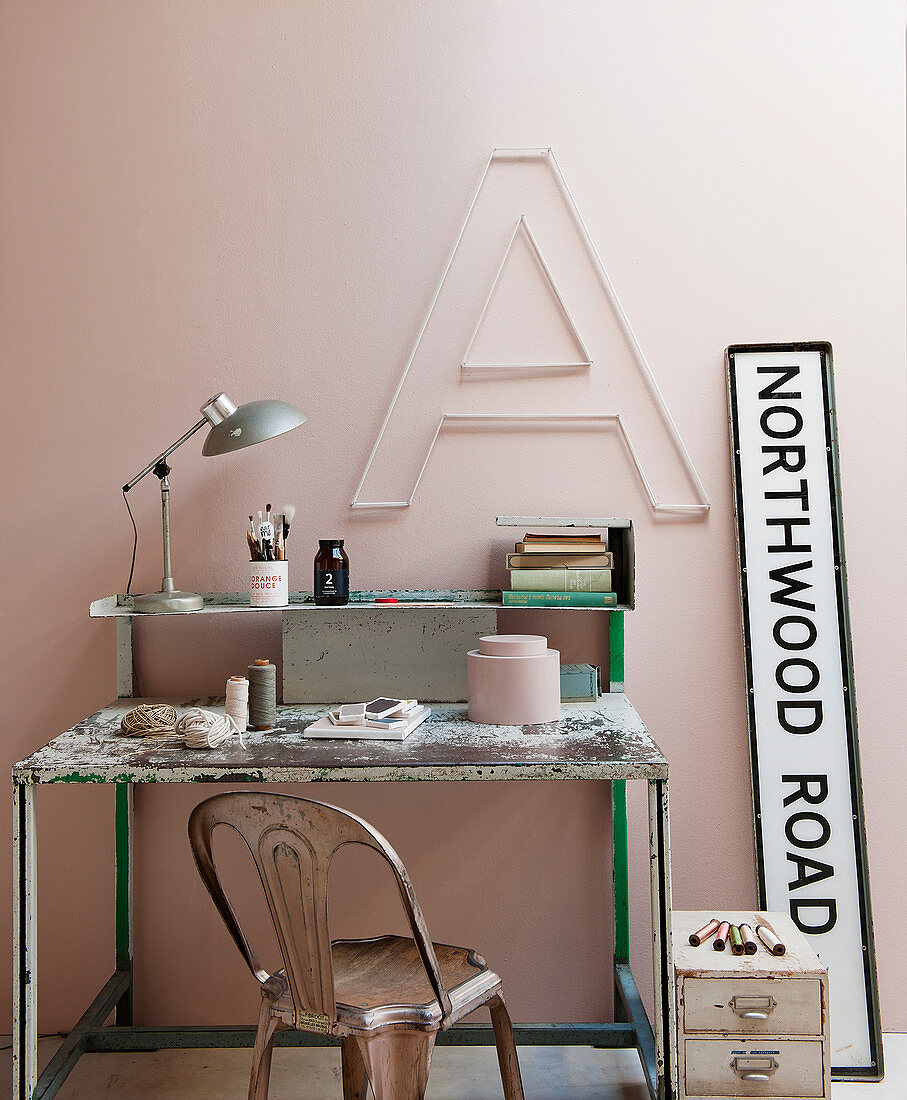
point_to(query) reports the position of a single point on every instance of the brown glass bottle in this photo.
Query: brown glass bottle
(332, 574)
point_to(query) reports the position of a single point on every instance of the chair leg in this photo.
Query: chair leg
(507, 1059)
(268, 1027)
(355, 1078)
(398, 1063)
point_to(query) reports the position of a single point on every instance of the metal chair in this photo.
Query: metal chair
(385, 998)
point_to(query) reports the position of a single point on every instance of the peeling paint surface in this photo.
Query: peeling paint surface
(601, 740)
(219, 602)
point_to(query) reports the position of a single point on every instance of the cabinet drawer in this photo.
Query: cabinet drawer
(773, 1006)
(766, 1067)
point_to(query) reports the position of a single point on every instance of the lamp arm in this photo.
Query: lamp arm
(160, 458)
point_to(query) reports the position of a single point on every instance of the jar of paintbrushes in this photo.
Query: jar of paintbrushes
(268, 567)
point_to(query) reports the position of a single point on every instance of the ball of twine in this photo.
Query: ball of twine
(149, 720)
(202, 729)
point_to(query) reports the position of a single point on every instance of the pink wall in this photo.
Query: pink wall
(261, 199)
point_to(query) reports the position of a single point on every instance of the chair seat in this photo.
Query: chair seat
(382, 981)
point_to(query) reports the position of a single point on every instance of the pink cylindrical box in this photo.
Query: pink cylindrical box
(514, 680)
(512, 645)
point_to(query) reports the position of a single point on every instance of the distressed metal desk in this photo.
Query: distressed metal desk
(593, 741)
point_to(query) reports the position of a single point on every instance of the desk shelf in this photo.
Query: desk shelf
(120, 606)
(620, 540)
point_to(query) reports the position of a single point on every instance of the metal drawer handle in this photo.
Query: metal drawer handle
(753, 1008)
(754, 1069)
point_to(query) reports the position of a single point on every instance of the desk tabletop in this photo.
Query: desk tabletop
(601, 740)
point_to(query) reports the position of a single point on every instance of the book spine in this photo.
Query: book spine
(559, 599)
(561, 580)
(558, 548)
(603, 560)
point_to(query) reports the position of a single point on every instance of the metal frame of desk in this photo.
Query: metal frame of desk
(593, 741)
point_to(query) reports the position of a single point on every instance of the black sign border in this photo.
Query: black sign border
(875, 1071)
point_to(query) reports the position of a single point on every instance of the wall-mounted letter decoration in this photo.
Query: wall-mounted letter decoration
(810, 842)
(582, 364)
(432, 391)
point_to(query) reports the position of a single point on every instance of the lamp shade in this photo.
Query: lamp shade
(236, 427)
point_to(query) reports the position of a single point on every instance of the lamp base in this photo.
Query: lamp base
(164, 602)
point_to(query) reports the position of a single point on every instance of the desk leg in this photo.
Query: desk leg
(620, 866)
(125, 679)
(25, 950)
(124, 830)
(660, 865)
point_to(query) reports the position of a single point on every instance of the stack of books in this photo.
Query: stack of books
(560, 570)
(390, 720)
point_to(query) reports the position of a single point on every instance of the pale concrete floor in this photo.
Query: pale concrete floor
(549, 1073)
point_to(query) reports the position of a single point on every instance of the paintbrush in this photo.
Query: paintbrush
(278, 538)
(263, 536)
(253, 541)
(271, 551)
(289, 513)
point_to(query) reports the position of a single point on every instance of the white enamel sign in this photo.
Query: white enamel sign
(806, 781)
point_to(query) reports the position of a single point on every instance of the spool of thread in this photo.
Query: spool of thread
(262, 694)
(237, 704)
(750, 946)
(704, 933)
(770, 940)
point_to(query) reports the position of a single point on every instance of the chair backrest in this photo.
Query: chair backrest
(292, 841)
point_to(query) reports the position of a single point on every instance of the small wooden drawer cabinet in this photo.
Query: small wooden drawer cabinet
(750, 1025)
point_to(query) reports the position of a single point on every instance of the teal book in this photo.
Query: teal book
(560, 580)
(559, 599)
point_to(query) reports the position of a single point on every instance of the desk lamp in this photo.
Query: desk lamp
(232, 428)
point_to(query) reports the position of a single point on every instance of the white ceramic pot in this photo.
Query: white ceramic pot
(269, 583)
